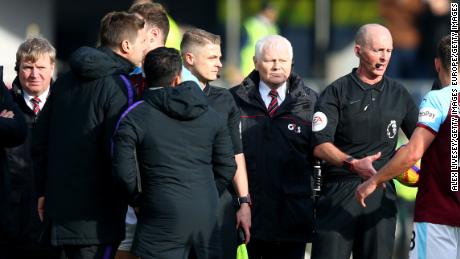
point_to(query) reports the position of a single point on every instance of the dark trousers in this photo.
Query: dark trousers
(343, 227)
(90, 252)
(226, 222)
(258, 249)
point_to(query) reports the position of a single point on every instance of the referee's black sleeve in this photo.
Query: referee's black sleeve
(326, 117)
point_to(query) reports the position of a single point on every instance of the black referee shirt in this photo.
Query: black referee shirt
(222, 101)
(362, 119)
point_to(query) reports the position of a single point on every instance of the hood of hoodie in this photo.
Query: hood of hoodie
(183, 102)
(91, 63)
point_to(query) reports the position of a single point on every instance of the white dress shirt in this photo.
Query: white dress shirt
(42, 98)
(264, 91)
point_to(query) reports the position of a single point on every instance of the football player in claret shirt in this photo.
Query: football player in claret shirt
(437, 206)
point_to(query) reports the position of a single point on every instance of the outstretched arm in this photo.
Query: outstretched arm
(406, 157)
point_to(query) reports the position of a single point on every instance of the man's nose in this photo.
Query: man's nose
(34, 72)
(385, 56)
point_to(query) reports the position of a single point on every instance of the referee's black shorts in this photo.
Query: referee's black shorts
(343, 226)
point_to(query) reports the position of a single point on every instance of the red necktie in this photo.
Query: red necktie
(273, 106)
(35, 102)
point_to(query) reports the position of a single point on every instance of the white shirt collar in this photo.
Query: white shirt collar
(264, 91)
(42, 98)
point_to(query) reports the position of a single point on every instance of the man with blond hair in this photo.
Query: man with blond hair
(201, 54)
(35, 63)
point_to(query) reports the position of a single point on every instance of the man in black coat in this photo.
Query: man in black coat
(35, 61)
(276, 113)
(13, 132)
(185, 160)
(201, 54)
(72, 146)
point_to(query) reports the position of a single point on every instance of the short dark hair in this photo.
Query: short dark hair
(197, 37)
(119, 26)
(161, 65)
(443, 51)
(154, 14)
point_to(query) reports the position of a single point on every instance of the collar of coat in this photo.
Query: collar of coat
(17, 92)
(248, 90)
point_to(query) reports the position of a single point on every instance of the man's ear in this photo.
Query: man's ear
(254, 59)
(155, 32)
(437, 64)
(357, 50)
(125, 46)
(177, 80)
(189, 58)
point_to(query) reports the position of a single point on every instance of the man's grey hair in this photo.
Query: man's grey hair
(273, 41)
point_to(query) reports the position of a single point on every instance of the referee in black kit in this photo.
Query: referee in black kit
(355, 130)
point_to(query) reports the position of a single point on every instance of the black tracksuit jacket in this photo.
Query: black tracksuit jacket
(71, 150)
(185, 157)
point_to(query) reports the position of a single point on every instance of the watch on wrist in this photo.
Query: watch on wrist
(347, 163)
(244, 199)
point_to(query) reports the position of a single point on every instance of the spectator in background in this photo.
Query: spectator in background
(402, 19)
(254, 28)
(72, 146)
(35, 62)
(434, 24)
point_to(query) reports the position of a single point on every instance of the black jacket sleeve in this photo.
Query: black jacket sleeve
(13, 131)
(326, 117)
(116, 103)
(124, 162)
(233, 124)
(223, 159)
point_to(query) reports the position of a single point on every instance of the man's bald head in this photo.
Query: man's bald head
(373, 47)
(369, 31)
